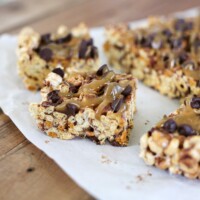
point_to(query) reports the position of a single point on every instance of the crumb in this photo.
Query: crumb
(147, 121)
(30, 169)
(149, 173)
(105, 159)
(46, 141)
(142, 177)
(128, 187)
(139, 178)
(25, 103)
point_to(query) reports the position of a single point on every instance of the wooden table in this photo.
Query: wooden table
(25, 171)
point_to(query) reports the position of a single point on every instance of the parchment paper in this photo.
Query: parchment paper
(105, 172)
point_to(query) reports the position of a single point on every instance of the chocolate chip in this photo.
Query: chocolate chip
(46, 54)
(73, 89)
(182, 25)
(82, 49)
(167, 33)
(65, 39)
(102, 70)
(93, 52)
(176, 43)
(165, 58)
(183, 56)
(54, 98)
(146, 41)
(90, 42)
(195, 102)
(46, 38)
(170, 126)
(71, 110)
(186, 130)
(116, 104)
(179, 24)
(59, 72)
(127, 91)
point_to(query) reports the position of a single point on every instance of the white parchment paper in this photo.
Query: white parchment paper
(106, 172)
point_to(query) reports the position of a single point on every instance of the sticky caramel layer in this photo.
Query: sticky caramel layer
(185, 115)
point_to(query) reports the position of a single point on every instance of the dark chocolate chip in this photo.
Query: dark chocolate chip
(73, 89)
(186, 130)
(71, 110)
(183, 56)
(195, 103)
(179, 24)
(116, 104)
(127, 91)
(165, 58)
(65, 39)
(167, 33)
(54, 98)
(176, 43)
(90, 42)
(82, 49)
(102, 70)
(170, 126)
(59, 72)
(46, 54)
(93, 52)
(182, 25)
(146, 41)
(46, 38)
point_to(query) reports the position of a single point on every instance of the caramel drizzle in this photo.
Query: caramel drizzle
(112, 91)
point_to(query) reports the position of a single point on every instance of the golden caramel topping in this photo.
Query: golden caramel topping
(87, 95)
(186, 118)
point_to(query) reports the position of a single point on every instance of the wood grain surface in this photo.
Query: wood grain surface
(25, 171)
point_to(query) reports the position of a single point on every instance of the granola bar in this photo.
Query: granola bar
(174, 143)
(98, 106)
(165, 54)
(40, 54)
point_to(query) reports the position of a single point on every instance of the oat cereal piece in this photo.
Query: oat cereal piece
(164, 54)
(40, 54)
(98, 106)
(174, 143)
